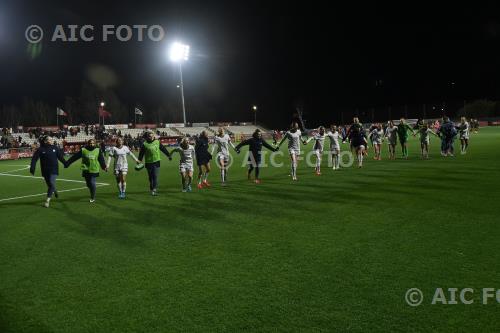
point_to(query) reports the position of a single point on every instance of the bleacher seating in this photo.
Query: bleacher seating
(192, 130)
(79, 137)
(245, 130)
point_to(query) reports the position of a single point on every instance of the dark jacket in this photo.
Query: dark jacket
(49, 156)
(255, 146)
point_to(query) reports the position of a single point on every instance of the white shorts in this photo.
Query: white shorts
(295, 152)
(121, 170)
(335, 151)
(185, 167)
(221, 156)
(464, 137)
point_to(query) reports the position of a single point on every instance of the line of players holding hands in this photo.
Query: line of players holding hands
(92, 157)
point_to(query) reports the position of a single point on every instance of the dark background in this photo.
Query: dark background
(332, 61)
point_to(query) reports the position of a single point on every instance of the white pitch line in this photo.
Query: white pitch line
(61, 179)
(26, 167)
(40, 194)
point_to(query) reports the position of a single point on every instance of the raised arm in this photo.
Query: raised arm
(165, 151)
(231, 143)
(73, 158)
(283, 140)
(242, 143)
(268, 146)
(175, 150)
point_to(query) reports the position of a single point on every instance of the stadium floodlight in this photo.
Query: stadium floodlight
(254, 108)
(179, 52)
(102, 104)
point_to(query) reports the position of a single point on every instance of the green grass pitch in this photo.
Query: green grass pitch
(331, 253)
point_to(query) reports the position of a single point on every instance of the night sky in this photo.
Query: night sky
(277, 56)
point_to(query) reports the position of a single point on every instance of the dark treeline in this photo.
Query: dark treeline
(84, 110)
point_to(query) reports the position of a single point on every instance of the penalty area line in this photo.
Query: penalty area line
(40, 194)
(61, 179)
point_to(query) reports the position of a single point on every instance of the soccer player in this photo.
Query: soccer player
(447, 133)
(150, 149)
(92, 157)
(49, 155)
(187, 153)
(254, 144)
(403, 129)
(119, 153)
(293, 136)
(319, 143)
(357, 137)
(464, 131)
(203, 158)
(377, 135)
(334, 136)
(391, 133)
(222, 142)
(424, 131)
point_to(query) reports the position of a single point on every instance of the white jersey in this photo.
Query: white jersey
(377, 135)
(294, 140)
(319, 141)
(120, 156)
(392, 134)
(187, 155)
(464, 130)
(222, 144)
(334, 140)
(425, 135)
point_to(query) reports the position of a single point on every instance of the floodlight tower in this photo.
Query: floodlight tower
(179, 53)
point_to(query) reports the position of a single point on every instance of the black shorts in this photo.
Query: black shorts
(203, 159)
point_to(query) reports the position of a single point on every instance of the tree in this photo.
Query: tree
(479, 109)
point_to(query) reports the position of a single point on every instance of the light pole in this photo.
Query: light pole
(254, 108)
(101, 113)
(178, 53)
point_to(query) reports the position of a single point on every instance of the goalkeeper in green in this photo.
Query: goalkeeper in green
(403, 129)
